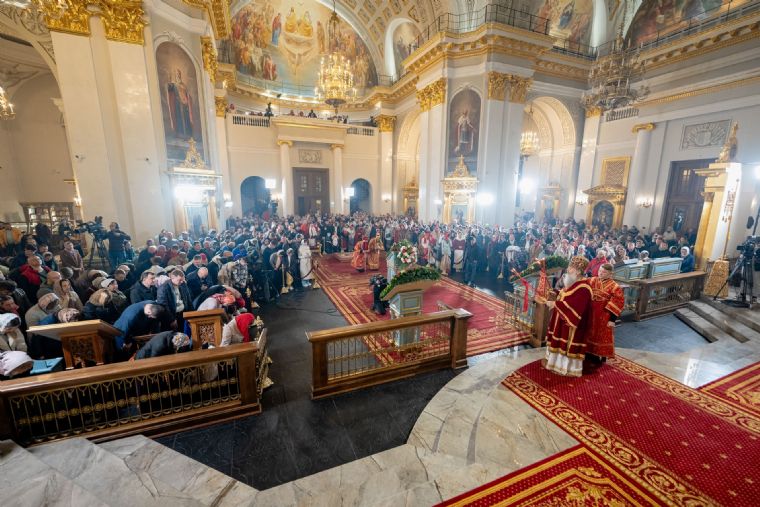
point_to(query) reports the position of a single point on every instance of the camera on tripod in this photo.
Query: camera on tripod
(749, 246)
(94, 227)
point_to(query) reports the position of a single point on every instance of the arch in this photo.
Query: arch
(362, 199)
(561, 119)
(254, 196)
(395, 52)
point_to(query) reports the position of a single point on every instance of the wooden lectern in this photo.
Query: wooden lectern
(89, 340)
(205, 326)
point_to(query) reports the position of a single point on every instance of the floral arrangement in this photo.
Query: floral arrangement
(551, 262)
(410, 276)
(406, 252)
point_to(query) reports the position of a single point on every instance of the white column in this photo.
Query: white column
(224, 159)
(638, 174)
(385, 177)
(423, 209)
(490, 152)
(586, 165)
(337, 193)
(437, 155)
(286, 178)
(510, 149)
(747, 201)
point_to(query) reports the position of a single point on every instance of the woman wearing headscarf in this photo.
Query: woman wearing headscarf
(68, 298)
(11, 337)
(46, 305)
(100, 306)
(237, 330)
(42, 347)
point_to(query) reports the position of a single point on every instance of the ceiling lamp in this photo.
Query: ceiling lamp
(529, 143)
(335, 82)
(611, 76)
(6, 108)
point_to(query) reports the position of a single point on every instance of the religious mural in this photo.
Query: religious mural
(180, 101)
(570, 20)
(662, 17)
(464, 130)
(283, 40)
(403, 43)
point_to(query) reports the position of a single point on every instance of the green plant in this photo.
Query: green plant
(410, 276)
(553, 261)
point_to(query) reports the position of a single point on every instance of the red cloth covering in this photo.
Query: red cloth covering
(569, 320)
(607, 299)
(243, 321)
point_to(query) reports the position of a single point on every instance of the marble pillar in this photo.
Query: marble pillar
(287, 195)
(224, 159)
(489, 172)
(423, 210)
(721, 179)
(588, 158)
(432, 102)
(384, 194)
(638, 174)
(339, 206)
(510, 149)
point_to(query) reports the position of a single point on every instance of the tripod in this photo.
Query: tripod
(97, 244)
(744, 262)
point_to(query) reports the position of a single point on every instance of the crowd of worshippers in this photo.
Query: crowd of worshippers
(255, 260)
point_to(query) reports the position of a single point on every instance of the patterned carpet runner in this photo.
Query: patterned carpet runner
(349, 290)
(681, 445)
(575, 477)
(740, 389)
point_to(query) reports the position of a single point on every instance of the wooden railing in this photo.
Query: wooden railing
(150, 396)
(353, 357)
(534, 319)
(657, 296)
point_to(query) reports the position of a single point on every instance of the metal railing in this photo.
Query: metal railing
(621, 114)
(513, 310)
(156, 395)
(249, 120)
(349, 358)
(361, 131)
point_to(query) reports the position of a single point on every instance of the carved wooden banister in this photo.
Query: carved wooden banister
(205, 326)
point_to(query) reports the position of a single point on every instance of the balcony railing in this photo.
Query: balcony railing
(353, 357)
(251, 121)
(361, 131)
(621, 114)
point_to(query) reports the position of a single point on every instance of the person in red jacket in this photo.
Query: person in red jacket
(596, 262)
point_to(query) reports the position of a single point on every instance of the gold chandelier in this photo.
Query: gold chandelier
(6, 108)
(529, 142)
(335, 81)
(611, 77)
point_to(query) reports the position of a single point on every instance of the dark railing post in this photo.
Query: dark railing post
(318, 365)
(458, 344)
(247, 375)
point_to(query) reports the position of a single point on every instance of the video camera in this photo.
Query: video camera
(94, 227)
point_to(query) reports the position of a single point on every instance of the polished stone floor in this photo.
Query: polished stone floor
(296, 437)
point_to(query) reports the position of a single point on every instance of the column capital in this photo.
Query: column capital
(336, 146)
(385, 122)
(593, 111)
(208, 50)
(497, 85)
(518, 88)
(283, 142)
(432, 95)
(221, 106)
(648, 127)
(124, 21)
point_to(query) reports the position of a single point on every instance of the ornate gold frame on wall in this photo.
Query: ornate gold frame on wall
(411, 195)
(194, 172)
(613, 189)
(553, 192)
(459, 190)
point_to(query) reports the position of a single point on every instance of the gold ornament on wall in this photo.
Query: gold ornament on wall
(74, 19)
(728, 153)
(123, 20)
(593, 111)
(385, 122)
(193, 159)
(518, 89)
(208, 49)
(432, 95)
(642, 126)
(497, 85)
(221, 106)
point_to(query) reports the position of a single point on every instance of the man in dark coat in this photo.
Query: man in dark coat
(145, 290)
(198, 281)
(175, 297)
(138, 319)
(472, 254)
(165, 344)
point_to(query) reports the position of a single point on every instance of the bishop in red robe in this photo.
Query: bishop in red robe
(359, 259)
(606, 305)
(569, 322)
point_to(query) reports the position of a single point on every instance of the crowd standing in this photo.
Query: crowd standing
(255, 260)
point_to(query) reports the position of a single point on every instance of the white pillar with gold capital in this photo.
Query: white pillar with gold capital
(220, 104)
(638, 174)
(432, 102)
(490, 140)
(337, 178)
(588, 156)
(286, 178)
(382, 202)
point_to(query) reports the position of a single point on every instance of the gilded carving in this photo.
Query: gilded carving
(385, 122)
(497, 85)
(75, 19)
(284, 142)
(124, 20)
(218, 13)
(518, 88)
(642, 126)
(728, 153)
(221, 106)
(593, 111)
(432, 95)
(703, 135)
(208, 49)
(193, 159)
(310, 156)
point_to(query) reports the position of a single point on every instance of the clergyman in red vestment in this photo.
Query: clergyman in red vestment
(359, 259)
(568, 325)
(606, 306)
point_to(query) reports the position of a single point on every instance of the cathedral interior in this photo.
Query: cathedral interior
(567, 119)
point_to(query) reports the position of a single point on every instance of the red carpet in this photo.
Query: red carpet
(576, 476)
(683, 446)
(741, 389)
(352, 295)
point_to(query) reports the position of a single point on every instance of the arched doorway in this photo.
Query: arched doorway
(361, 198)
(254, 195)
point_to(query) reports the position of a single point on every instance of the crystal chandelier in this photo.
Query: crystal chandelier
(529, 143)
(611, 77)
(335, 81)
(6, 108)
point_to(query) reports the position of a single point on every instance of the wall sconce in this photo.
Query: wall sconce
(644, 202)
(275, 197)
(228, 204)
(78, 202)
(581, 200)
(270, 183)
(386, 198)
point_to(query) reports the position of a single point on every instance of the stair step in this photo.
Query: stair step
(25, 480)
(193, 479)
(108, 477)
(708, 330)
(749, 318)
(724, 321)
